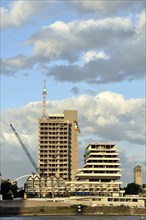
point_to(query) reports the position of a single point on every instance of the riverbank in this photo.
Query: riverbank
(34, 208)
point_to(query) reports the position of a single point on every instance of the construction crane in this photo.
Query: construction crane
(25, 149)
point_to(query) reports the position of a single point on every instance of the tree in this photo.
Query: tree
(8, 189)
(133, 189)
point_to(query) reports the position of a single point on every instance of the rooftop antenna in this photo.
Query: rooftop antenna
(44, 98)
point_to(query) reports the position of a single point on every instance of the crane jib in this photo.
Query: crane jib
(25, 148)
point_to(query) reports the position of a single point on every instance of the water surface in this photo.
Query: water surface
(74, 218)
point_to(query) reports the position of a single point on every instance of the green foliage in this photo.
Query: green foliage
(133, 189)
(8, 189)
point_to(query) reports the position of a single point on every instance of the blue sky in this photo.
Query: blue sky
(92, 55)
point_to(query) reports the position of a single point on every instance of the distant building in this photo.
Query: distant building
(138, 175)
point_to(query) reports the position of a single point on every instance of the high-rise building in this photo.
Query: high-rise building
(58, 144)
(138, 175)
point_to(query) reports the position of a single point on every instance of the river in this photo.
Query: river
(75, 218)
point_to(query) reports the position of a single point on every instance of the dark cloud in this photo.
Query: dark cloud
(100, 71)
(75, 90)
(20, 63)
(109, 7)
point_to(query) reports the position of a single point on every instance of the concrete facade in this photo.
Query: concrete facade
(101, 170)
(101, 163)
(98, 176)
(58, 145)
(46, 187)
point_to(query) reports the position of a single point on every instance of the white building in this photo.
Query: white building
(101, 163)
(100, 172)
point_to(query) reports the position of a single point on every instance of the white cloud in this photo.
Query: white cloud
(19, 12)
(60, 39)
(125, 48)
(93, 55)
(141, 19)
(112, 50)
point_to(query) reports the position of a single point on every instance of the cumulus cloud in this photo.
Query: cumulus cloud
(102, 50)
(11, 66)
(124, 58)
(93, 55)
(63, 40)
(106, 7)
(19, 12)
(12, 15)
(107, 117)
(86, 50)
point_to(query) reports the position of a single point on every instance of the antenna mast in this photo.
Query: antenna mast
(44, 98)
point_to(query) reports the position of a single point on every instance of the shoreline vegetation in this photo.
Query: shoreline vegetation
(32, 208)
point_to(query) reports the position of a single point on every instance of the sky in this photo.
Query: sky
(92, 55)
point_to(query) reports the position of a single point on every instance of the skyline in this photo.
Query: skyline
(92, 56)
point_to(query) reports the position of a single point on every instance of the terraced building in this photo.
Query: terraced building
(101, 171)
(101, 163)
